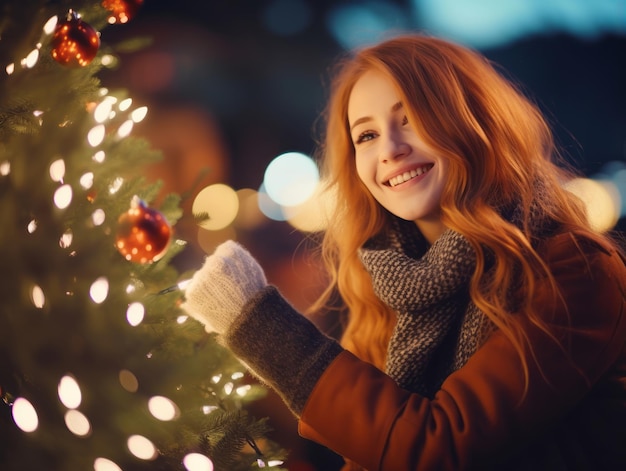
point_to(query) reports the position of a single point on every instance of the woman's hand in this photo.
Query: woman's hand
(218, 291)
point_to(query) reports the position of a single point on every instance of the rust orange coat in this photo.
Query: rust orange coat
(569, 415)
(573, 415)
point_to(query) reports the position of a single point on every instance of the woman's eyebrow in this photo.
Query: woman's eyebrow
(395, 107)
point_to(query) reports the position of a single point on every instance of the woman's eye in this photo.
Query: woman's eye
(365, 136)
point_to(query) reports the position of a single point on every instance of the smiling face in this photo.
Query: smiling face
(401, 172)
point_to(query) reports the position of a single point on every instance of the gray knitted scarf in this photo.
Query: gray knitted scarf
(429, 292)
(438, 326)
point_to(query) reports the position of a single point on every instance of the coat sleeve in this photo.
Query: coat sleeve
(485, 410)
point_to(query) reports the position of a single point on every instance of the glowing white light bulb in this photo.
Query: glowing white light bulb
(107, 60)
(139, 114)
(125, 104)
(37, 297)
(25, 415)
(99, 156)
(69, 392)
(197, 462)
(95, 136)
(63, 196)
(98, 217)
(32, 226)
(31, 59)
(141, 447)
(5, 168)
(77, 423)
(57, 170)
(103, 110)
(125, 128)
(135, 313)
(243, 390)
(163, 408)
(50, 25)
(99, 290)
(115, 185)
(66, 239)
(103, 464)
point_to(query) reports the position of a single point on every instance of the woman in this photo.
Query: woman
(486, 320)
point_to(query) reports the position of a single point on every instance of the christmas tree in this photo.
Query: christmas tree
(99, 368)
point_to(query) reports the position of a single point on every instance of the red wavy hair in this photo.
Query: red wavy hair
(499, 148)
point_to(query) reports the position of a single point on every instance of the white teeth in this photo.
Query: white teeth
(406, 176)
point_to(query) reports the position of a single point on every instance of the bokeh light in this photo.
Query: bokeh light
(220, 203)
(312, 215)
(291, 178)
(601, 199)
(99, 290)
(357, 24)
(37, 296)
(57, 170)
(125, 128)
(77, 423)
(63, 196)
(104, 464)
(25, 415)
(135, 313)
(95, 136)
(163, 408)
(104, 109)
(128, 381)
(141, 447)
(50, 25)
(139, 114)
(197, 462)
(489, 23)
(69, 392)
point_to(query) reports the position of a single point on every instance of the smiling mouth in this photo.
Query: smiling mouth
(409, 175)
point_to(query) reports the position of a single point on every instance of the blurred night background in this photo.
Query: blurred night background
(231, 85)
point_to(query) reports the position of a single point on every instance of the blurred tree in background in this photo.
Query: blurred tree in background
(99, 368)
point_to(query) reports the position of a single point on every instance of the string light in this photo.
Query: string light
(163, 408)
(141, 447)
(77, 423)
(128, 381)
(197, 462)
(95, 136)
(25, 415)
(98, 217)
(63, 196)
(69, 392)
(37, 297)
(99, 290)
(125, 104)
(135, 313)
(104, 464)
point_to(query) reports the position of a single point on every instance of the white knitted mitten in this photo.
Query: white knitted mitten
(218, 291)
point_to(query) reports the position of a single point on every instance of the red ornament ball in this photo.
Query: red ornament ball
(122, 11)
(143, 234)
(74, 43)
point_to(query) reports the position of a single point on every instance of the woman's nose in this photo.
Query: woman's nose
(393, 146)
